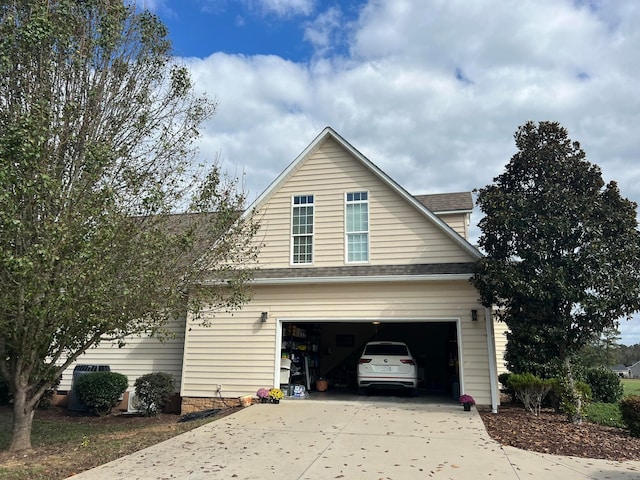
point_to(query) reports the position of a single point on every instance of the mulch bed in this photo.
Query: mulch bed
(551, 433)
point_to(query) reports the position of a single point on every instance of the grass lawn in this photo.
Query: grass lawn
(631, 386)
(609, 413)
(65, 443)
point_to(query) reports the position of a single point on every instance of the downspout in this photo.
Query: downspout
(493, 364)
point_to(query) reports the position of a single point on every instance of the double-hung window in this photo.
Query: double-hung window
(357, 226)
(302, 229)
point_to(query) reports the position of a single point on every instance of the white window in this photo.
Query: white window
(302, 229)
(357, 226)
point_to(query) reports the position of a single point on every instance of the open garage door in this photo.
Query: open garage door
(330, 351)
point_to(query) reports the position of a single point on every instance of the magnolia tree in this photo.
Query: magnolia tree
(97, 125)
(562, 260)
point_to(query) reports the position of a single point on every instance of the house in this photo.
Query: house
(348, 256)
(621, 370)
(634, 370)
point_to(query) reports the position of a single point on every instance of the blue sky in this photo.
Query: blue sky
(431, 91)
(199, 28)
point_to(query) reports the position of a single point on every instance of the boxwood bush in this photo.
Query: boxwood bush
(605, 385)
(100, 391)
(630, 410)
(530, 390)
(153, 391)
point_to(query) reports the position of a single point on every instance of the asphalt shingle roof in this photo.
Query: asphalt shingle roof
(447, 202)
(355, 271)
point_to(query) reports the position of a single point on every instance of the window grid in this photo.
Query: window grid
(357, 226)
(302, 229)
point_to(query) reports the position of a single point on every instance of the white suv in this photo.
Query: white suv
(387, 365)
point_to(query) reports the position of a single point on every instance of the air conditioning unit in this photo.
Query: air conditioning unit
(133, 406)
(74, 402)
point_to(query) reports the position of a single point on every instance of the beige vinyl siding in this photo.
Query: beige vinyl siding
(238, 352)
(399, 233)
(140, 355)
(459, 222)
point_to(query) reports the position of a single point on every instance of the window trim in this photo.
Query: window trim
(367, 232)
(292, 236)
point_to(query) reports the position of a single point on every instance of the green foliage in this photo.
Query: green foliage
(530, 390)
(503, 378)
(601, 351)
(100, 391)
(607, 414)
(153, 391)
(562, 249)
(630, 409)
(562, 260)
(97, 131)
(572, 401)
(605, 384)
(626, 354)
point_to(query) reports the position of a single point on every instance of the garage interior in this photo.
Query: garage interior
(329, 352)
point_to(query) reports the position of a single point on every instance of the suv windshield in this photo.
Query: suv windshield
(399, 350)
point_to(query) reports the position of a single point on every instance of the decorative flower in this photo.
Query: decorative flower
(467, 399)
(276, 394)
(262, 393)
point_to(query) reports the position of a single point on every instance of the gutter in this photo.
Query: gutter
(349, 279)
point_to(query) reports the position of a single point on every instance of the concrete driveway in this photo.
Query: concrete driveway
(356, 438)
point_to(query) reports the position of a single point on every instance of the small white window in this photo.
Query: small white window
(357, 227)
(302, 229)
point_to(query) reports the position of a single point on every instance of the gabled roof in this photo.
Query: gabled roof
(328, 132)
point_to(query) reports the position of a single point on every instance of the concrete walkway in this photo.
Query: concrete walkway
(366, 438)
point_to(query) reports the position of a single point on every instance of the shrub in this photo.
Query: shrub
(630, 410)
(605, 385)
(567, 401)
(100, 391)
(503, 378)
(153, 391)
(530, 390)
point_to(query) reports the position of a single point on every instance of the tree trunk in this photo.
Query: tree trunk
(22, 421)
(575, 413)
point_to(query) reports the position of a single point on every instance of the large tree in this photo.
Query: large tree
(562, 251)
(97, 130)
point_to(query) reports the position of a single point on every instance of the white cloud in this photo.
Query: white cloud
(630, 331)
(284, 8)
(432, 90)
(323, 31)
(397, 95)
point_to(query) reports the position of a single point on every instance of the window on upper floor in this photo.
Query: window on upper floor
(302, 229)
(357, 226)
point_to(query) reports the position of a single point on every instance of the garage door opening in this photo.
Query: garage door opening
(329, 351)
